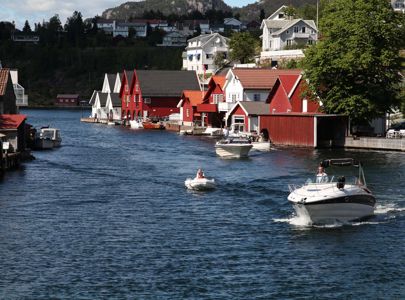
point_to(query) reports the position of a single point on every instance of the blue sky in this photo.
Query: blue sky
(38, 10)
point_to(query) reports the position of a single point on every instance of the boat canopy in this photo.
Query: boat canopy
(340, 162)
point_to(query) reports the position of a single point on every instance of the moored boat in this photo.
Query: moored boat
(151, 125)
(233, 147)
(47, 138)
(135, 124)
(331, 199)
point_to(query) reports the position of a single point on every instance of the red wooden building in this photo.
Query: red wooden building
(244, 116)
(212, 98)
(154, 93)
(188, 107)
(288, 95)
(65, 100)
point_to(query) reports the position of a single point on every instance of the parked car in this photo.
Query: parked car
(398, 126)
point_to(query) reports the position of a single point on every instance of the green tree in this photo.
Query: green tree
(290, 12)
(354, 66)
(262, 15)
(242, 47)
(75, 29)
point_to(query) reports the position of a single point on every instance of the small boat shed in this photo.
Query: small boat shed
(305, 129)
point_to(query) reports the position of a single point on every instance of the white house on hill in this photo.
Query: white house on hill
(201, 51)
(281, 32)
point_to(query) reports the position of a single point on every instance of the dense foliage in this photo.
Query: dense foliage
(354, 67)
(73, 58)
(242, 47)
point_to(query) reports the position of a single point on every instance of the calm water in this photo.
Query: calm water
(107, 216)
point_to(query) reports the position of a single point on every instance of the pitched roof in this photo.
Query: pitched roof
(3, 80)
(111, 80)
(103, 98)
(261, 78)
(194, 96)
(252, 107)
(129, 75)
(205, 38)
(93, 97)
(283, 25)
(11, 121)
(156, 83)
(74, 96)
(255, 107)
(288, 81)
(115, 99)
(219, 80)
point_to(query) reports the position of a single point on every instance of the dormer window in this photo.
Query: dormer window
(281, 15)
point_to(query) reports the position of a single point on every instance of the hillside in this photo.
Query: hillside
(181, 7)
(167, 7)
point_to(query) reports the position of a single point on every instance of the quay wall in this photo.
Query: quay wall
(375, 143)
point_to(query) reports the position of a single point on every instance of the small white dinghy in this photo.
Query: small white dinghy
(200, 184)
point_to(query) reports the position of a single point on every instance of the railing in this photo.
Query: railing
(225, 106)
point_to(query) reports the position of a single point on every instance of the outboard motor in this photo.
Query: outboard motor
(341, 182)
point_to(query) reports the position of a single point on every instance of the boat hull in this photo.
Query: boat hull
(340, 209)
(233, 151)
(43, 144)
(200, 184)
(147, 125)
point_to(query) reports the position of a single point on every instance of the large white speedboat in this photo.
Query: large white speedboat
(200, 184)
(48, 138)
(331, 199)
(233, 147)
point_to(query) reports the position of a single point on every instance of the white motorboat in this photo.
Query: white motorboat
(233, 147)
(135, 124)
(200, 184)
(48, 138)
(331, 199)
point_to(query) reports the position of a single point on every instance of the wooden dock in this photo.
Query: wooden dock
(88, 120)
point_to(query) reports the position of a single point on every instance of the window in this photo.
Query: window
(296, 29)
(289, 42)
(280, 16)
(233, 97)
(217, 98)
(256, 97)
(187, 112)
(304, 105)
(147, 101)
(126, 87)
(303, 29)
(136, 86)
(127, 99)
(310, 42)
(239, 123)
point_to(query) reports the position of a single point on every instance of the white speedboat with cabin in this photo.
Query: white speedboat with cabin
(136, 124)
(336, 198)
(200, 184)
(48, 138)
(233, 147)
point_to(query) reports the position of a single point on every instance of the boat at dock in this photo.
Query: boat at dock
(47, 138)
(233, 147)
(135, 124)
(152, 125)
(333, 199)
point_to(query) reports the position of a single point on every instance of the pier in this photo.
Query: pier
(375, 143)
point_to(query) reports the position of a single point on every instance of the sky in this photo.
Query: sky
(38, 10)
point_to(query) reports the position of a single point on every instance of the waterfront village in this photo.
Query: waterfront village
(268, 101)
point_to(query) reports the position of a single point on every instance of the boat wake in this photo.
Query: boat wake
(382, 214)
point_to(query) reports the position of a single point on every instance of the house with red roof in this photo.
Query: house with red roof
(251, 84)
(244, 116)
(7, 95)
(188, 107)
(289, 95)
(14, 128)
(154, 93)
(213, 97)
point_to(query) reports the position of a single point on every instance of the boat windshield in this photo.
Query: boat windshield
(353, 180)
(47, 134)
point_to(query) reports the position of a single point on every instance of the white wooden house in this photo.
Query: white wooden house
(398, 5)
(113, 107)
(201, 51)
(282, 33)
(104, 103)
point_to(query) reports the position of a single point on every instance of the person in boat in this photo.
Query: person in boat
(200, 174)
(321, 176)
